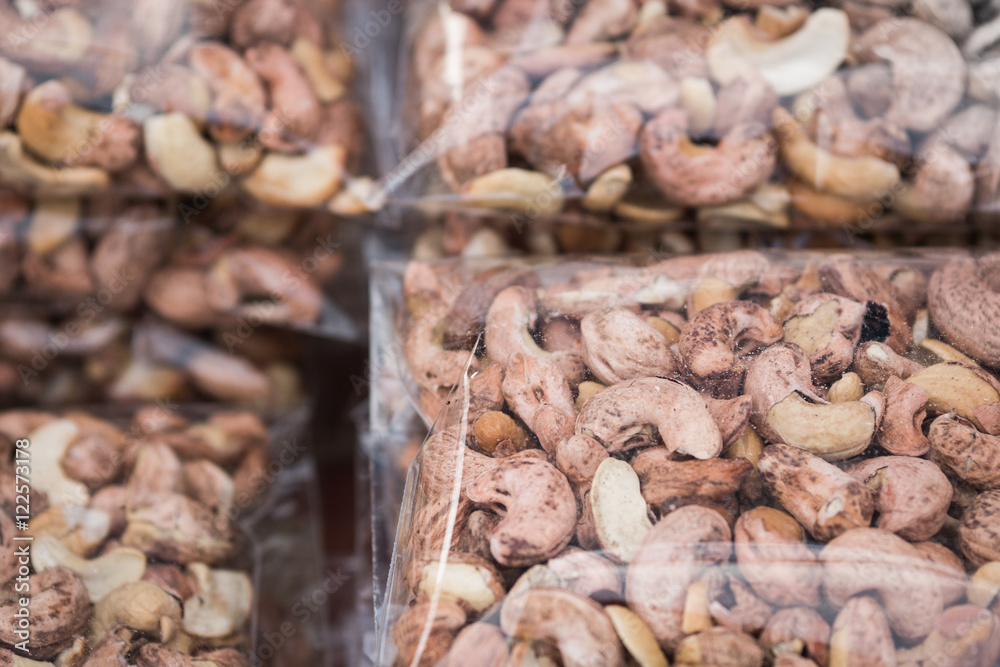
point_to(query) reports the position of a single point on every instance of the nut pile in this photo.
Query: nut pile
(136, 558)
(732, 459)
(52, 361)
(240, 261)
(776, 113)
(188, 97)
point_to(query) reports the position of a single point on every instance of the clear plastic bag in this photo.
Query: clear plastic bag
(202, 514)
(48, 361)
(742, 458)
(233, 264)
(192, 98)
(658, 113)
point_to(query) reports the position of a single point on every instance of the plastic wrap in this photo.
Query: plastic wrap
(169, 530)
(857, 116)
(193, 98)
(743, 458)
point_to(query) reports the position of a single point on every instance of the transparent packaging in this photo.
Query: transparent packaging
(204, 514)
(658, 113)
(193, 98)
(739, 458)
(231, 264)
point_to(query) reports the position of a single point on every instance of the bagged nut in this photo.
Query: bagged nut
(734, 459)
(226, 263)
(191, 98)
(52, 361)
(852, 115)
(141, 550)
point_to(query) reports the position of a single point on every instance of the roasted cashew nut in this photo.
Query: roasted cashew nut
(620, 417)
(537, 506)
(714, 344)
(962, 299)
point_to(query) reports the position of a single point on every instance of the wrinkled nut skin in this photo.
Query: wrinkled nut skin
(661, 477)
(876, 362)
(60, 610)
(743, 159)
(912, 495)
(618, 417)
(823, 498)
(732, 417)
(877, 561)
(467, 317)
(175, 528)
(714, 342)
(619, 345)
(963, 451)
(979, 531)
(773, 557)
(538, 507)
(947, 568)
(671, 558)
(861, 635)
(538, 393)
(963, 300)
(577, 627)
(447, 619)
(901, 431)
(479, 643)
(797, 630)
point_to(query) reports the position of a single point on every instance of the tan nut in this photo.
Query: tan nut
(952, 387)
(860, 178)
(18, 167)
(54, 128)
(824, 499)
(140, 606)
(178, 153)
(847, 388)
(493, 428)
(221, 605)
(816, 49)
(636, 636)
(515, 189)
(306, 180)
(79, 529)
(775, 374)
(912, 495)
(49, 444)
(835, 431)
(984, 586)
(621, 517)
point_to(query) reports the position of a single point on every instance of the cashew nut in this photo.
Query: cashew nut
(100, 575)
